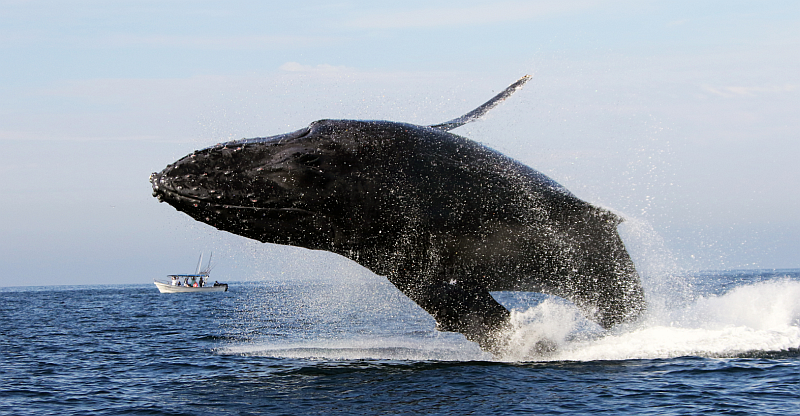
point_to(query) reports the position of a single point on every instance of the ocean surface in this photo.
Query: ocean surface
(713, 342)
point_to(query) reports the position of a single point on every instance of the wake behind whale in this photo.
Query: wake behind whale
(758, 317)
(444, 218)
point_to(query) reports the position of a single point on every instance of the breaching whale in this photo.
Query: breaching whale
(445, 219)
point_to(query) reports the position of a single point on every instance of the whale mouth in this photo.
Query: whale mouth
(273, 220)
(165, 193)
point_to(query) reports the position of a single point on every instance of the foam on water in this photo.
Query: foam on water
(752, 318)
(391, 348)
(759, 317)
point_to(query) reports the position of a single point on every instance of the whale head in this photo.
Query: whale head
(315, 188)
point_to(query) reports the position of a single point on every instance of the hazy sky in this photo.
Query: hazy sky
(680, 115)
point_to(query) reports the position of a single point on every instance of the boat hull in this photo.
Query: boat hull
(167, 288)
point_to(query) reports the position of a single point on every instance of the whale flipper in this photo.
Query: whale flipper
(456, 305)
(483, 109)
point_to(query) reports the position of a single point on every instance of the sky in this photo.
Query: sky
(681, 116)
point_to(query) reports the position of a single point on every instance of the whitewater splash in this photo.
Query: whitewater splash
(761, 317)
(753, 318)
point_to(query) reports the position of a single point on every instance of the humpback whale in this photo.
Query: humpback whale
(445, 219)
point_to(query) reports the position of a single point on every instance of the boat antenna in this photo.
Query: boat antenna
(208, 267)
(199, 263)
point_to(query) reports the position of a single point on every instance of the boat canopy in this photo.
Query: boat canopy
(188, 275)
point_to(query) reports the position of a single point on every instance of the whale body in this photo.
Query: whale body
(445, 219)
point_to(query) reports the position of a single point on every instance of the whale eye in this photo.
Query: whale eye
(309, 159)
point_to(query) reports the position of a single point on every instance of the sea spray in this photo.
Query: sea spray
(542, 330)
(666, 286)
(727, 314)
(758, 317)
(765, 306)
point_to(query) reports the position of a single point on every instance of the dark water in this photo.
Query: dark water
(360, 347)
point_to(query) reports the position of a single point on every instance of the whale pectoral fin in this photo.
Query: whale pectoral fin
(483, 109)
(469, 310)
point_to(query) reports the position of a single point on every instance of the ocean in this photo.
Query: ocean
(724, 342)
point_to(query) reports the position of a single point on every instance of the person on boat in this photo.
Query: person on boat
(186, 281)
(202, 283)
(175, 281)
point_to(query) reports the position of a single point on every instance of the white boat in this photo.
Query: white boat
(190, 283)
(169, 288)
